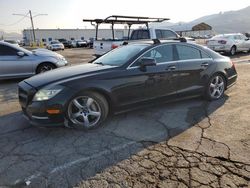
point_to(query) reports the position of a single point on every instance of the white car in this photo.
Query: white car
(79, 43)
(55, 45)
(229, 43)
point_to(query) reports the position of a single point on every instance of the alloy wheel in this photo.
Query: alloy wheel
(217, 87)
(45, 68)
(84, 111)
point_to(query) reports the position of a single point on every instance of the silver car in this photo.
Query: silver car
(16, 62)
(229, 43)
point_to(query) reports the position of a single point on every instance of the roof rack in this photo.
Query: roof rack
(156, 41)
(118, 19)
(181, 39)
(130, 20)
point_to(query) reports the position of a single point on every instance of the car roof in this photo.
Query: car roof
(157, 41)
(8, 44)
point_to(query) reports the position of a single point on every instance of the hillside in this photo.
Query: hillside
(228, 22)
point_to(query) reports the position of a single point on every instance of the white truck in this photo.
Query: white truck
(102, 46)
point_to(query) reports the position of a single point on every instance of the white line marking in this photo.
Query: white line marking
(242, 61)
(80, 160)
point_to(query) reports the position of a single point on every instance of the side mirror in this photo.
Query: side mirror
(20, 54)
(145, 62)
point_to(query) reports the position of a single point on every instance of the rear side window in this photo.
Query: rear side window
(164, 34)
(187, 52)
(7, 51)
(204, 55)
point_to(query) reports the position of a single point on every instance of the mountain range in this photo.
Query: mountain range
(228, 22)
(223, 22)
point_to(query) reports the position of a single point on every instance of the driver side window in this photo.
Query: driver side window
(161, 54)
(7, 51)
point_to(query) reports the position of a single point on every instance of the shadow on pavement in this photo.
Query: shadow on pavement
(60, 157)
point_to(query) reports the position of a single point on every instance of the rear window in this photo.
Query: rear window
(223, 36)
(140, 34)
(165, 34)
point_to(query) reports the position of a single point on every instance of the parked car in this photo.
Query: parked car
(55, 45)
(65, 42)
(79, 43)
(229, 43)
(90, 42)
(136, 74)
(16, 62)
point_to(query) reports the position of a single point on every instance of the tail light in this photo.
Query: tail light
(222, 42)
(114, 46)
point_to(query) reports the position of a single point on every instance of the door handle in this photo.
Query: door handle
(204, 65)
(171, 67)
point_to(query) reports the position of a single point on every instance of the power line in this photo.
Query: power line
(7, 25)
(31, 19)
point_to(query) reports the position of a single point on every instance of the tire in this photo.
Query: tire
(233, 51)
(215, 87)
(45, 67)
(87, 110)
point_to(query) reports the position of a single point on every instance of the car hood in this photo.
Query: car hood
(45, 52)
(66, 73)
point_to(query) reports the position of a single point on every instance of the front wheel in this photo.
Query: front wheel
(87, 110)
(215, 88)
(233, 50)
(45, 67)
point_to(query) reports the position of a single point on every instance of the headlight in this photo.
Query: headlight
(46, 94)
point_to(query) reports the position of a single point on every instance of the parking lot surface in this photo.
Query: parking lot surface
(191, 143)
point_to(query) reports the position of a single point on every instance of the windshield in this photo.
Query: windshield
(55, 42)
(121, 55)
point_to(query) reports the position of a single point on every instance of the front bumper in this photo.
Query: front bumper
(36, 111)
(62, 63)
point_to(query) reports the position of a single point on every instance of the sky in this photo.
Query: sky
(69, 13)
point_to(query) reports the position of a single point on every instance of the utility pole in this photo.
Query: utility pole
(32, 24)
(31, 20)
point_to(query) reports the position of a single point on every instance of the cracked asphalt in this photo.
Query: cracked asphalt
(191, 143)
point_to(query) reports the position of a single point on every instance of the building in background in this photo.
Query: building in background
(46, 35)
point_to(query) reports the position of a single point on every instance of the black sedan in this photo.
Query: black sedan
(130, 76)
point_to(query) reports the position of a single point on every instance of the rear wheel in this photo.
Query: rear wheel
(216, 87)
(87, 110)
(233, 50)
(45, 67)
